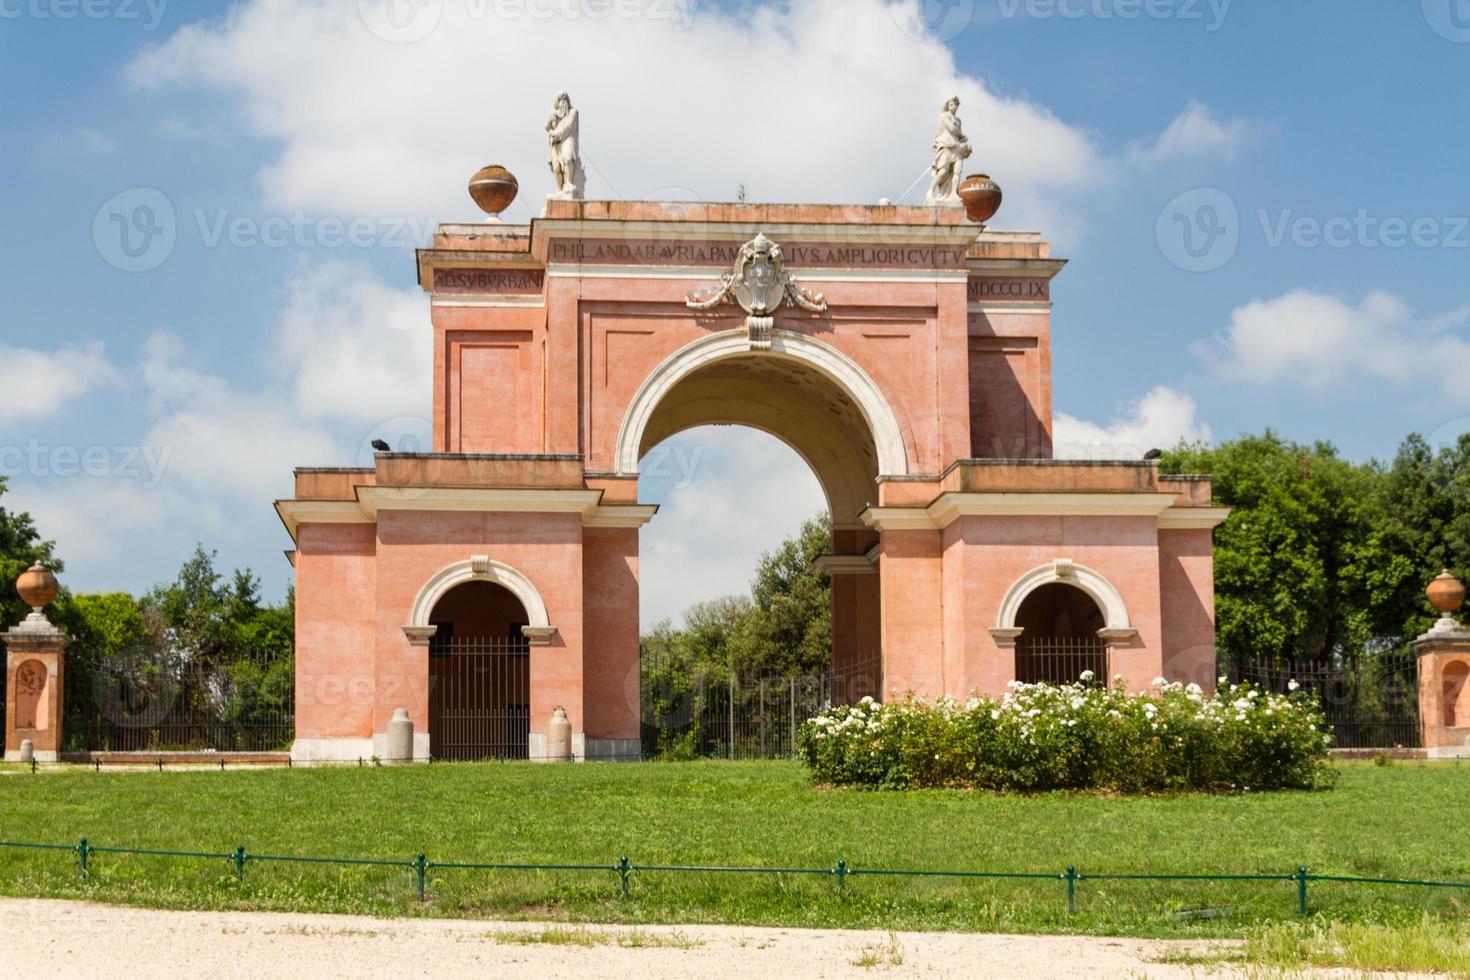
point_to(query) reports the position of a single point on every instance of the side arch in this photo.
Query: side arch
(1066, 572)
(836, 366)
(479, 568)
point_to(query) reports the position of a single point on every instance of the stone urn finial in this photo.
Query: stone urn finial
(37, 586)
(1446, 594)
(981, 197)
(493, 188)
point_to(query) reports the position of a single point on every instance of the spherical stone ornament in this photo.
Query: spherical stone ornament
(37, 586)
(494, 188)
(1446, 593)
(982, 197)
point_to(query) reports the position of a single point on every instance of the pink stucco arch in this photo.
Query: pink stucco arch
(1065, 572)
(479, 568)
(836, 367)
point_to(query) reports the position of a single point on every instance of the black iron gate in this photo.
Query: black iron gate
(479, 698)
(1060, 660)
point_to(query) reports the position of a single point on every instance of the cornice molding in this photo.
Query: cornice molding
(1193, 518)
(950, 507)
(371, 500)
(846, 565)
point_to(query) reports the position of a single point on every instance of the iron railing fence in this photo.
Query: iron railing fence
(420, 869)
(153, 701)
(1369, 702)
(708, 714)
(1060, 660)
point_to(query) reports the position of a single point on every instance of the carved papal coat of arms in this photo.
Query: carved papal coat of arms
(759, 285)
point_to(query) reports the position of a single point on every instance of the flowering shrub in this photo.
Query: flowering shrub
(1077, 736)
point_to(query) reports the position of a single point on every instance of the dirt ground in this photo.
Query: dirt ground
(77, 939)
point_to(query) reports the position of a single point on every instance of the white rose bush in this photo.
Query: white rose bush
(1081, 736)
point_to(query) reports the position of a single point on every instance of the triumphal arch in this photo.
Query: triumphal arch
(903, 352)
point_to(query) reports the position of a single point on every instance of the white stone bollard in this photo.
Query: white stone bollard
(400, 737)
(27, 750)
(559, 737)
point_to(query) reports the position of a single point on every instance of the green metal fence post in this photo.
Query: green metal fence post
(421, 868)
(33, 765)
(239, 860)
(623, 868)
(1071, 877)
(1301, 889)
(841, 872)
(82, 851)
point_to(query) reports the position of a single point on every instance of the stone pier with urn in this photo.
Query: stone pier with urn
(1444, 675)
(34, 674)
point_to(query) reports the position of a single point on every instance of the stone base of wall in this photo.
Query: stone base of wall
(331, 749)
(614, 750)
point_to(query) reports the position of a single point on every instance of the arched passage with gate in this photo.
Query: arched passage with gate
(1060, 639)
(479, 674)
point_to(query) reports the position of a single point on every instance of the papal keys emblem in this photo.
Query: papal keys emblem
(759, 285)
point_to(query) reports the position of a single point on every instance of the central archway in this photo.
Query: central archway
(830, 413)
(802, 391)
(812, 360)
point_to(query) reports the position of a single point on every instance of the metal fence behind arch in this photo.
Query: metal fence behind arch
(1370, 702)
(159, 701)
(702, 712)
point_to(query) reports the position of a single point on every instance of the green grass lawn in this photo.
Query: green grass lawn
(1400, 821)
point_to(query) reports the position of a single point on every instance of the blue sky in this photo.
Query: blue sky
(1313, 153)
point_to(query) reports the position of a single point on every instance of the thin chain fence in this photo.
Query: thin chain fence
(421, 871)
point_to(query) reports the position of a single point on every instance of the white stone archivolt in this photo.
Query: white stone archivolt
(1067, 572)
(478, 568)
(835, 366)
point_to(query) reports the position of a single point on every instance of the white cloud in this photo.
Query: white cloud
(775, 97)
(1193, 132)
(1158, 420)
(354, 348)
(1316, 341)
(711, 530)
(97, 521)
(38, 384)
(222, 440)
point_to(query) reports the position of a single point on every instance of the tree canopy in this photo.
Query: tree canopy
(1325, 558)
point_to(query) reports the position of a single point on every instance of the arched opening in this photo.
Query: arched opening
(1456, 693)
(743, 494)
(788, 398)
(479, 674)
(1060, 639)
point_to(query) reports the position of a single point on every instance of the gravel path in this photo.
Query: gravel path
(78, 939)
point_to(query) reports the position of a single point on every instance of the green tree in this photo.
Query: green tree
(1295, 561)
(21, 546)
(787, 629)
(1424, 528)
(106, 625)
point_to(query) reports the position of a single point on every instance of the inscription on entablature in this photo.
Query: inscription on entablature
(837, 255)
(492, 281)
(1015, 290)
